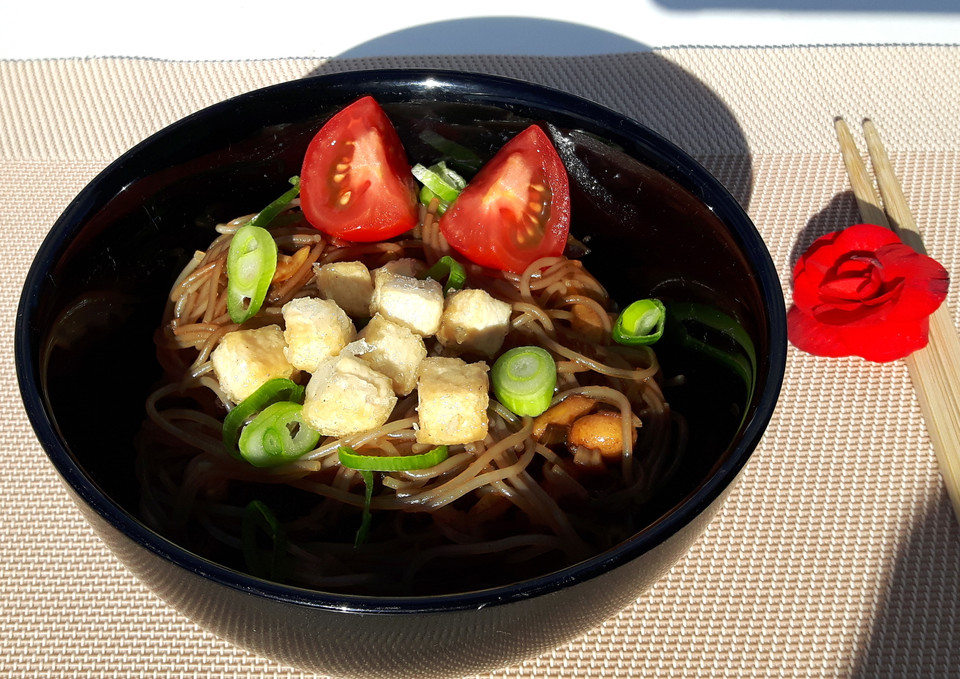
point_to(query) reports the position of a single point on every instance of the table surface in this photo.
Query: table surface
(239, 29)
(837, 553)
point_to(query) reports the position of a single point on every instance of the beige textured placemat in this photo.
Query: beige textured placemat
(837, 555)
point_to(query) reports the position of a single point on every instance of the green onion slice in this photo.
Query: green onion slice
(444, 182)
(391, 463)
(271, 391)
(717, 336)
(439, 182)
(263, 542)
(367, 464)
(448, 148)
(449, 271)
(523, 380)
(277, 435)
(364, 529)
(269, 213)
(251, 263)
(426, 195)
(640, 323)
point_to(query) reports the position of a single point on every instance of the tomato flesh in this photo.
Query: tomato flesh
(356, 183)
(516, 210)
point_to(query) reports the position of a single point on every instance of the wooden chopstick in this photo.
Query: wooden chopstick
(867, 201)
(935, 369)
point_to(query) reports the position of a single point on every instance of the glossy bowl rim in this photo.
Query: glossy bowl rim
(476, 88)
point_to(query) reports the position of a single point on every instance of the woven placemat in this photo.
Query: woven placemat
(837, 554)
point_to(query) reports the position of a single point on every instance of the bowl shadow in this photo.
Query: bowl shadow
(642, 85)
(496, 35)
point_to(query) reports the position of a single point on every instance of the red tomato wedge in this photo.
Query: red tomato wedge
(517, 208)
(356, 182)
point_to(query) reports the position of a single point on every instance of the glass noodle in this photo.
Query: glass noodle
(511, 506)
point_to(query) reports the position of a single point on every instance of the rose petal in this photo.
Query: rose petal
(888, 342)
(874, 343)
(872, 313)
(810, 271)
(806, 293)
(826, 251)
(855, 280)
(865, 238)
(820, 259)
(919, 282)
(808, 335)
(811, 253)
(925, 281)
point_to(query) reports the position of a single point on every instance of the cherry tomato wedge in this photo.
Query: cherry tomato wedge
(517, 208)
(356, 183)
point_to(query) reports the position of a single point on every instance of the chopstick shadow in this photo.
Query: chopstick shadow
(916, 629)
(635, 81)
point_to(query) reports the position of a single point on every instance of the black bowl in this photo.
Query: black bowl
(655, 221)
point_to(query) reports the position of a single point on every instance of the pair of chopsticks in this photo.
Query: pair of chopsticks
(935, 369)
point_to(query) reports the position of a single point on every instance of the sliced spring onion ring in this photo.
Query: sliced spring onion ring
(367, 464)
(439, 182)
(251, 263)
(523, 380)
(364, 528)
(260, 525)
(448, 271)
(391, 463)
(437, 179)
(640, 323)
(716, 336)
(271, 391)
(277, 435)
(448, 148)
(269, 213)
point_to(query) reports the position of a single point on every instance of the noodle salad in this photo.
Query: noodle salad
(391, 380)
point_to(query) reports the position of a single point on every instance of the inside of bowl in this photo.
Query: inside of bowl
(645, 233)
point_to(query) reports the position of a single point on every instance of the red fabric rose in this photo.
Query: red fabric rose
(862, 292)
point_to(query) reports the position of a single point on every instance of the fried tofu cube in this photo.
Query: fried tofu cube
(409, 302)
(346, 396)
(474, 322)
(315, 329)
(245, 359)
(394, 350)
(453, 397)
(405, 266)
(349, 284)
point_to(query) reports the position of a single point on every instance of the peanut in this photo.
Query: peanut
(602, 432)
